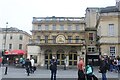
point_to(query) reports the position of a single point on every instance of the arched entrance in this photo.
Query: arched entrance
(48, 56)
(73, 57)
(60, 57)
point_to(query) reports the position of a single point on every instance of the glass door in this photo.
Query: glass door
(73, 58)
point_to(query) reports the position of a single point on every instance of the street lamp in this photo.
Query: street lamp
(6, 69)
(85, 52)
(5, 37)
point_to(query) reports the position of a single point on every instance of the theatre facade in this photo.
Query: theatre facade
(66, 38)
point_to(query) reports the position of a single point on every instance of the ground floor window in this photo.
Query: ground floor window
(112, 51)
(48, 56)
(60, 57)
(73, 58)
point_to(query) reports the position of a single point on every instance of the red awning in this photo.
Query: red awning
(18, 52)
(15, 52)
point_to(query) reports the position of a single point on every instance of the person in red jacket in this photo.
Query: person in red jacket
(81, 66)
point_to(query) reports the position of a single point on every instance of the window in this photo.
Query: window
(77, 39)
(11, 37)
(111, 30)
(38, 37)
(91, 36)
(54, 27)
(46, 39)
(39, 27)
(77, 27)
(91, 49)
(112, 51)
(69, 39)
(54, 39)
(69, 27)
(10, 46)
(21, 37)
(46, 27)
(61, 27)
(20, 46)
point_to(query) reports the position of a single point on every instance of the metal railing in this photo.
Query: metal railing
(51, 41)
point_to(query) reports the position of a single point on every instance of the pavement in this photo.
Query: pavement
(44, 74)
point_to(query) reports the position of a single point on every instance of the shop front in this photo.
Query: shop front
(14, 56)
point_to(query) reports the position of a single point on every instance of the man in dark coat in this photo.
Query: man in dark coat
(53, 68)
(103, 68)
(28, 66)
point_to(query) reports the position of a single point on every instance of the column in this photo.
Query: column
(38, 60)
(42, 58)
(78, 56)
(67, 60)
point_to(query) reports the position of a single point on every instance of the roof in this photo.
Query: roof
(10, 29)
(109, 9)
(13, 29)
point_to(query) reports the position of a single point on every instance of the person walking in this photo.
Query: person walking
(28, 66)
(32, 65)
(116, 64)
(119, 64)
(103, 68)
(89, 71)
(111, 62)
(80, 66)
(53, 68)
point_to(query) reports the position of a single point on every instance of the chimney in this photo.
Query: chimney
(118, 4)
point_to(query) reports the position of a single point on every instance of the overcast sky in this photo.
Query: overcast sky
(19, 13)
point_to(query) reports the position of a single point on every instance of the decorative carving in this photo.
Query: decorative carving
(60, 39)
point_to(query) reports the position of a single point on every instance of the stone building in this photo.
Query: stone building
(69, 38)
(109, 30)
(63, 37)
(13, 39)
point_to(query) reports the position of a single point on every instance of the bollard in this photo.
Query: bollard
(64, 66)
(6, 69)
(47, 66)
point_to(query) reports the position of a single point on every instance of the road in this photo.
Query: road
(44, 74)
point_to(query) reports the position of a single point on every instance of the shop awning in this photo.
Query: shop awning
(15, 52)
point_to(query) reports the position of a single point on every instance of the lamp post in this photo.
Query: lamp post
(6, 69)
(85, 52)
(5, 36)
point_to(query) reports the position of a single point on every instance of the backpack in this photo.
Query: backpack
(89, 70)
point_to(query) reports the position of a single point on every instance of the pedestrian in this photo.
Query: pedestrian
(28, 66)
(119, 64)
(89, 71)
(80, 66)
(111, 62)
(32, 65)
(103, 68)
(116, 64)
(53, 68)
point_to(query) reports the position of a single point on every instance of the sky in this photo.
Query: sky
(20, 13)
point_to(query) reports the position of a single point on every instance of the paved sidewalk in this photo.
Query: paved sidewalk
(44, 73)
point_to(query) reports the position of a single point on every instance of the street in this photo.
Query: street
(44, 74)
